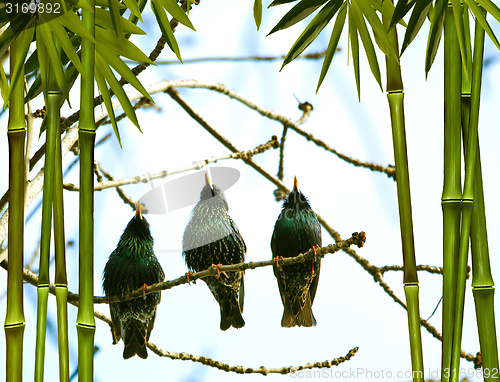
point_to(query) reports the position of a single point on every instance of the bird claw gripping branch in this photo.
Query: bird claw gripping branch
(217, 269)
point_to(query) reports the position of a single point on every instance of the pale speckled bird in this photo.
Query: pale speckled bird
(212, 238)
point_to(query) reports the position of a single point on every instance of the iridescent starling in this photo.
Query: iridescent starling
(131, 266)
(296, 231)
(212, 238)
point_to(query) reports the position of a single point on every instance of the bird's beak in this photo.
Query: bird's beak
(295, 183)
(138, 210)
(209, 183)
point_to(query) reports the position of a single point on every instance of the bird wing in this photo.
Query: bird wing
(281, 285)
(314, 283)
(116, 326)
(241, 294)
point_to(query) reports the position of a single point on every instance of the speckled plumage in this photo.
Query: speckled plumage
(131, 265)
(211, 237)
(296, 231)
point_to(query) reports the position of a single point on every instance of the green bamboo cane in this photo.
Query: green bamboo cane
(61, 280)
(86, 136)
(395, 97)
(452, 193)
(52, 96)
(14, 319)
(482, 281)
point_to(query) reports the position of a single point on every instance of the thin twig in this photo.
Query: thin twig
(390, 171)
(248, 370)
(427, 268)
(244, 155)
(309, 56)
(120, 191)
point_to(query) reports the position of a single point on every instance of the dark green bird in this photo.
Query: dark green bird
(296, 231)
(212, 238)
(133, 265)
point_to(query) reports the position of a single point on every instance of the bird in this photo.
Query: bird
(211, 238)
(130, 266)
(297, 230)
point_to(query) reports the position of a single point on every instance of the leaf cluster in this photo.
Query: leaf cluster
(115, 22)
(372, 20)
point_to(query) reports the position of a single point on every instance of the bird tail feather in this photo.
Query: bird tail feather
(230, 314)
(135, 340)
(298, 315)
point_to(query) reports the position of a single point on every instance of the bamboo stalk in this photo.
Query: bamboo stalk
(86, 136)
(452, 194)
(16, 133)
(53, 95)
(483, 288)
(61, 280)
(395, 97)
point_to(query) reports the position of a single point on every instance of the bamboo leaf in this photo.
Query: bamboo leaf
(122, 68)
(32, 64)
(114, 11)
(117, 89)
(299, 12)
(381, 37)
(490, 7)
(176, 11)
(4, 87)
(333, 43)
(400, 11)
(436, 30)
(386, 8)
(23, 47)
(103, 89)
(459, 24)
(81, 4)
(42, 60)
(70, 75)
(353, 40)
(54, 57)
(4, 18)
(417, 18)
(257, 12)
(103, 18)
(71, 21)
(481, 20)
(367, 42)
(66, 45)
(280, 2)
(133, 7)
(6, 39)
(164, 24)
(106, 39)
(313, 30)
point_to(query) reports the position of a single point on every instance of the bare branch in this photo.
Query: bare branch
(309, 56)
(248, 370)
(390, 170)
(427, 268)
(244, 155)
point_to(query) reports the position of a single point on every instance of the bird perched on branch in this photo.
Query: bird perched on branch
(296, 231)
(133, 265)
(211, 238)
